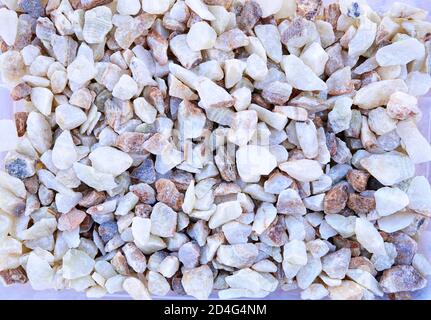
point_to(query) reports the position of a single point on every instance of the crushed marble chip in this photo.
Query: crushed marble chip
(215, 148)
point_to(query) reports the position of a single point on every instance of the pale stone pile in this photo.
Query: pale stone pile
(226, 147)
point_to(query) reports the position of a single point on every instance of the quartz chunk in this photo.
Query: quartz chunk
(110, 160)
(402, 278)
(301, 76)
(302, 170)
(390, 200)
(368, 236)
(201, 36)
(225, 212)
(400, 52)
(389, 168)
(163, 220)
(378, 93)
(417, 147)
(269, 36)
(250, 165)
(419, 193)
(198, 282)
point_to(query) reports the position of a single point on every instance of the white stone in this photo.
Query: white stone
(301, 76)
(363, 38)
(243, 127)
(250, 163)
(400, 52)
(390, 200)
(64, 153)
(269, 36)
(295, 252)
(368, 236)
(417, 147)
(168, 266)
(42, 99)
(76, 264)
(345, 226)
(396, 221)
(419, 83)
(307, 136)
(389, 168)
(39, 272)
(97, 24)
(91, 177)
(201, 36)
(314, 292)
(380, 122)
(421, 263)
(366, 280)
(81, 70)
(304, 170)
(69, 117)
(315, 57)
(199, 7)
(341, 115)
(211, 94)
(136, 289)
(419, 193)
(256, 67)
(144, 110)
(110, 160)
(378, 93)
(198, 282)
(269, 7)
(9, 26)
(233, 71)
(226, 211)
(125, 88)
(265, 215)
(128, 7)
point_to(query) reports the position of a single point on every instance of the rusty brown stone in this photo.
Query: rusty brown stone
(144, 192)
(406, 247)
(331, 13)
(308, 9)
(71, 220)
(120, 264)
(250, 15)
(32, 184)
(13, 276)
(400, 296)
(86, 225)
(275, 235)
(92, 198)
(156, 98)
(402, 278)
(257, 98)
(21, 123)
(168, 193)
(181, 179)
(361, 203)
(132, 142)
(20, 91)
(335, 199)
(364, 264)
(143, 210)
(354, 246)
